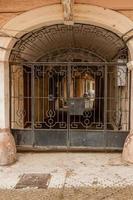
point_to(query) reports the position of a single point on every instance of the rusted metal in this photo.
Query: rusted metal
(39, 181)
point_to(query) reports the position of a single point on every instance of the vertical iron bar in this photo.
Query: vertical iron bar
(68, 97)
(105, 102)
(68, 80)
(32, 104)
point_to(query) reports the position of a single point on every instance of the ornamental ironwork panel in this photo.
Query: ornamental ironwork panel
(70, 96)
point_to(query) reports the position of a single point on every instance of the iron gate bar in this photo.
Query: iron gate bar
(105, 103)
(32, 105)
(105, 97)
(68, 96)
(71, 63)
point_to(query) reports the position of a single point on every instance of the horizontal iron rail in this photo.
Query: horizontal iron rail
(70, 63)
(72, 130)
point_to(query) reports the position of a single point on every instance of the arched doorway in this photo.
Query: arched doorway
(70, 88)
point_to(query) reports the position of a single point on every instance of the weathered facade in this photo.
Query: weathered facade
(66, 76)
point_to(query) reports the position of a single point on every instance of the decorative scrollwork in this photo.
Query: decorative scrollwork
(50, 113)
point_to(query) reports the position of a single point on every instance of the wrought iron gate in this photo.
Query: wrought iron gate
(70, 105)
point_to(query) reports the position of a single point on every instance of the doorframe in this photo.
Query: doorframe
(49, 15)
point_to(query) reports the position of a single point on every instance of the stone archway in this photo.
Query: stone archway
(45, 16)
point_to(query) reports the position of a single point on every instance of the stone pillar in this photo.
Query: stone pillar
(127, 155)
(7, 144)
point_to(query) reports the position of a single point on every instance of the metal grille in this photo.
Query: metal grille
(70, 88)
(70, 96)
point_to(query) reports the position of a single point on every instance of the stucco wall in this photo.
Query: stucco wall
(11, 8)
